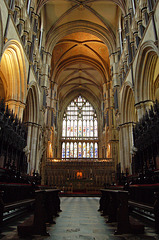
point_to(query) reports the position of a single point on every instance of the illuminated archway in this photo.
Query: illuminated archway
(3, 87)
(156, 82)
(147, 60)
(1, 35)
(146, 75)
(13, 70)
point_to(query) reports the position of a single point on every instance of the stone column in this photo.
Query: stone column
(121, 149)
(20, 26)
(38, 157)
(114, 69)
(17, 107)
(21, 109)
(126, 146)
(29, 147)
(144, 15)
(142, 106)
(33, 147)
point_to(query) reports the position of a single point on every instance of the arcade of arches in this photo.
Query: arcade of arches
(82, 79)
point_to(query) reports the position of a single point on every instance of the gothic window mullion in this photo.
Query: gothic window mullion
(66, 127)
(93, 126)
(80, 124)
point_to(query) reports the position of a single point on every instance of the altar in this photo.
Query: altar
(79, 176)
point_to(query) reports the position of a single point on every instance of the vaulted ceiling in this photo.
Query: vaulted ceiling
(80, 35)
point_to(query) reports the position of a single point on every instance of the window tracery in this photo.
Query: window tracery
(80, 130)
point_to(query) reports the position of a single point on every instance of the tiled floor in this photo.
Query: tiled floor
(81, 220)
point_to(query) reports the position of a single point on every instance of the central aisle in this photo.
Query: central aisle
(80, 220)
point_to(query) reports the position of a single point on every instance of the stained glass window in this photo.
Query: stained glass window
(88, 150)
(75, 128)
(67, 150)
(71, 128)
(80, 130)
(63, 150)
(95, 128)
(87, 128)
(71, 149)
(75, 150)
(79, 150)
(96, 150)
(84, 150)
(64, 128)
(84, 128)
(91, 133)
(91, 150)
(68, 128)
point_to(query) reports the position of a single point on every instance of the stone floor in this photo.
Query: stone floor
(80, 219)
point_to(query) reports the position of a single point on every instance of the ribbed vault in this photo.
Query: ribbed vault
(80, 36)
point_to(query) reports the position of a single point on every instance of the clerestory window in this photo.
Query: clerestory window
(80, 130)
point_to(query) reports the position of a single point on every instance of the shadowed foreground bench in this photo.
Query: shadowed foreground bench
(114, 204)
(46, 206)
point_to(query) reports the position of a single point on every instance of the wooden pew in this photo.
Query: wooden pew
(145, 197)
(46, 207)
(52, 204)
(114, 203)
(35, 224)
(14, 192)
(14, 198)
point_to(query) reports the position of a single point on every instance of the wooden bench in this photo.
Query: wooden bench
(22, 203)
(13, 209)
(114, 203)
(46, 207)
(146, 197)
(35, 224)
(10, 210)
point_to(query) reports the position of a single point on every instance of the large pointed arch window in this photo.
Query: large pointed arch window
(80, 130)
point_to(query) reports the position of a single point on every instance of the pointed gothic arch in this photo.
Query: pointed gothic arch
(80, 26)
(3, 86)
(31, 120)
(88, 95)
(13, 69)
(127, 104)
(79, 130)
(144, 76)
(31, 113)
(156, 88)
(128, 119)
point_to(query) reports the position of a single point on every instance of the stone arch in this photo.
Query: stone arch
(1, 35)
(156, 88)
(128, 118)
(127, 104)
(144, 76)
(80, 26)
(93, 101)
(79, 59)
(3, 86)
(13, 69)
(120, 3)
(88, 95)
(31, 120)
(31, 112)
